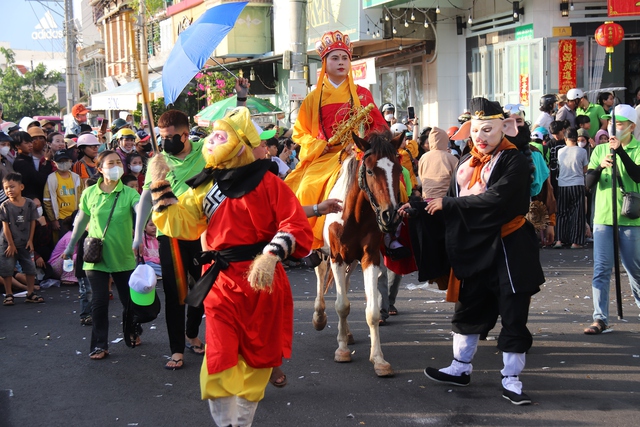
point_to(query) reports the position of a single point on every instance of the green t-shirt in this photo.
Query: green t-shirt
(182, 169)
(603, 210)
(595, 112)
(117, 254)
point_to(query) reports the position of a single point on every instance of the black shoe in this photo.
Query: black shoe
(312, 260)
(435, 375)
(516, 399)
(86, 321)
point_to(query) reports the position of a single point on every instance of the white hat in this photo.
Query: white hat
(537, 135)
(574, 94)
(87, 139)
(25, 122)
(398, 128)
(623, 113)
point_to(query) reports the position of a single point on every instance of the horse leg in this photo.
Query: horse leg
(381, 367)
(343, 306)
(352, 267)
(319, 315)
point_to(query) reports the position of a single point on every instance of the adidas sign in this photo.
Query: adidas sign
(48, 29)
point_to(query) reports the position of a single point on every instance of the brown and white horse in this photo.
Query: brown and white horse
(369, 188)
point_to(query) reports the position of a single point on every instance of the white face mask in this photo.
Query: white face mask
(124, 150)
(64, 166)
(39, 209)
(113, 173)
(620, 134)
(388, 117)
(135, 168)
(582, 144)
(4, 150)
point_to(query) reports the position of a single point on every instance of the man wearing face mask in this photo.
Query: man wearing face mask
(61, 192)
(143, 146)
(599, 176)
(126, 145)
(186, 160)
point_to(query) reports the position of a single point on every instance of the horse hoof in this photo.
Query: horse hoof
(342, 356)
(319, 322)
(350, 339)
(383, 369)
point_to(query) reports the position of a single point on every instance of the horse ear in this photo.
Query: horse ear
(397, 140)
(360, 143)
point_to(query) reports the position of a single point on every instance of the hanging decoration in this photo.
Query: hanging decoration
(609, 35)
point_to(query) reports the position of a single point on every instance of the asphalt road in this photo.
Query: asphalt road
(47, 379)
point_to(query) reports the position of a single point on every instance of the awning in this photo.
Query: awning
(127, 96)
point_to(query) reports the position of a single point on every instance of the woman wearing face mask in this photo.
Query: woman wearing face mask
(118, 260)
(136, 168)
(572, 165)
(126, 145)
(61, 193)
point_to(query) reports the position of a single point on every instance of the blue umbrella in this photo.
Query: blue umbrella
(195, 45)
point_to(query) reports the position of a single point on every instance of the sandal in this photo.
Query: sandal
(98, 354)
(177, 364)
(278, 378)
(195, 349)
(596, 328)
(8, 300)
(34, 298)
(393, 311)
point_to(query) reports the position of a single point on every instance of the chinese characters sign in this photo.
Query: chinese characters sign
(524, 89)
(623, 8)
(567, 62)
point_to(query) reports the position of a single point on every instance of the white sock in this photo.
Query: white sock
(464, 348)
(513, 365)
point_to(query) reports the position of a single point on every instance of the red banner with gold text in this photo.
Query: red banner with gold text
(623, 8)
(567, 62)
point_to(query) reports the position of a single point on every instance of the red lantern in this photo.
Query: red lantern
(609, 35)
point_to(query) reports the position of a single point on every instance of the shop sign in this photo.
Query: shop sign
(567, 63)
(562, 32)
(524, 32)
(623, 8)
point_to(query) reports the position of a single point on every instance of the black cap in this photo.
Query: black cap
(483, 109)
(61, 155)
(4, 137)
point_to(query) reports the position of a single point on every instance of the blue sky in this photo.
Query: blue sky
(20, 17)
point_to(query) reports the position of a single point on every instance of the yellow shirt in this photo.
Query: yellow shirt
(66, 193)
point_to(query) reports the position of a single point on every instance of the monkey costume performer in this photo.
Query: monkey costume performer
(245, 211)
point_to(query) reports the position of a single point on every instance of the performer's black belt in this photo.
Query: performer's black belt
(221, 260)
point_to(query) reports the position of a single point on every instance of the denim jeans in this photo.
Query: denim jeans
(86, 295)
(629, 238)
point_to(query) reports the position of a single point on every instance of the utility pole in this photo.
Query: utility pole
(72, 64)
(298, 19)
(144, 51)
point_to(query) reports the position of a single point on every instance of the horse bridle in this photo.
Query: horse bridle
(362, 183)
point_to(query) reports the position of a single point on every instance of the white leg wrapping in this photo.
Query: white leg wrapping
(513, 365)
(224, 411)
(464, 348)
(246, 411)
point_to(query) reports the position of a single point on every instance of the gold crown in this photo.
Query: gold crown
(333, 40)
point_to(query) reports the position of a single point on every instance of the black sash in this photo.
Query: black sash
(221, 260)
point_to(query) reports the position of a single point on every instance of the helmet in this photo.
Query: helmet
(574, 94)
(398, 128)
(451, 131)
(543, 130)
(547, 102)
(198, 131)
(117, 124)
(386, 107)
(87, 139)
(464, 117)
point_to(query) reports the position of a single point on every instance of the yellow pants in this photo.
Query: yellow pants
(241, 380)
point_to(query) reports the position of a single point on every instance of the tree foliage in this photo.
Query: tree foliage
(24, 95)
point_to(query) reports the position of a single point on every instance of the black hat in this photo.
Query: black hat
(61, 155)
(483, 109)
(4, 137)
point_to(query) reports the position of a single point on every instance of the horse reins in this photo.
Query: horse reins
(362, 183)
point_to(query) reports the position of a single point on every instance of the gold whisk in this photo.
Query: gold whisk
(342, 134)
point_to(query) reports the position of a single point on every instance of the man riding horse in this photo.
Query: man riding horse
(334, 101)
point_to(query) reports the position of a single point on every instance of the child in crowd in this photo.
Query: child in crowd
(61, 192)
(56, 261)
(130, 181)
(136, 168)
(583, 122)
(150, 252)
(18, 215)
